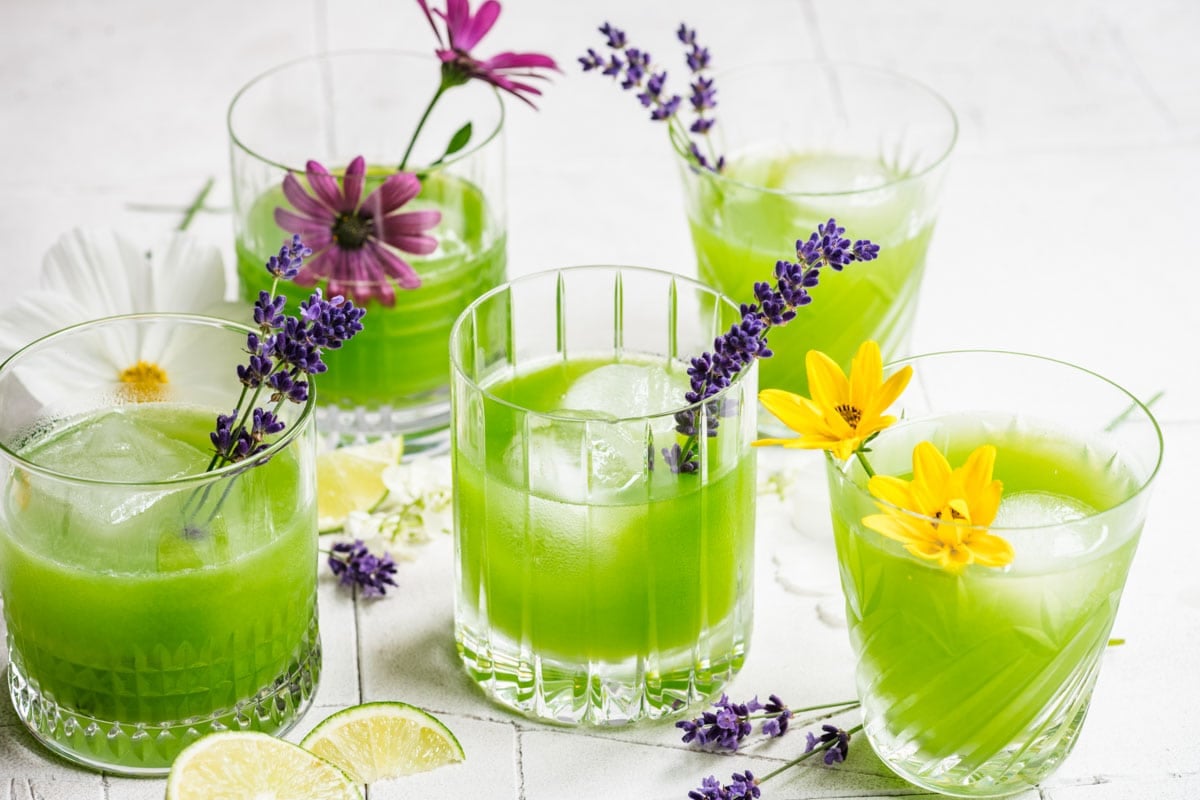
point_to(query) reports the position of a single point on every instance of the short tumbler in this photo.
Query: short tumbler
(149, 601)
(597, 581)
(975, 681)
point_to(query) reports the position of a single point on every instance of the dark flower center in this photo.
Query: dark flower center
(352, 230)
(851, 414)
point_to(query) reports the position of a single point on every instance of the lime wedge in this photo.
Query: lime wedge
(375, 741)
(351, 479)
(241, 764)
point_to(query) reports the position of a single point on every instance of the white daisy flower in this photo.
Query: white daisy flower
(91, 274)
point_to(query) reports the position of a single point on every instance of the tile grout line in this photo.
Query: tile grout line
(519, 753)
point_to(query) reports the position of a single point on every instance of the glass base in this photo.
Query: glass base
(142, 749)
(600, 692)
(1015, 769)
(425, 427)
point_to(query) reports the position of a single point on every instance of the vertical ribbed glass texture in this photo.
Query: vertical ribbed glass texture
(594, 585)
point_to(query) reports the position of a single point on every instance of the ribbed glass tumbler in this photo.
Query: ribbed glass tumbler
(602, 577)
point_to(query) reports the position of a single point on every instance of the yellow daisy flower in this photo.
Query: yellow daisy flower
(843, 412)
(942, 514)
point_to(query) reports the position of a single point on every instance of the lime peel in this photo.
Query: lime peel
(251, 764)
(377, 741)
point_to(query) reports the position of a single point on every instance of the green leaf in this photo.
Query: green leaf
(458, 141)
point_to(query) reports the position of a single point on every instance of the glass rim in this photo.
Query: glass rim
(460, 322)
(680, 142)
(1134, 402)
(331, 55)
(211, 476)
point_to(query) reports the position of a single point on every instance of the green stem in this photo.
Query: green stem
(806, 756)
(866, 465)
(196, 205)
(421, 124)
(849, 705)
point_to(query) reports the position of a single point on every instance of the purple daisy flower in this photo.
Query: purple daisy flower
(356, 241)
(464, 31)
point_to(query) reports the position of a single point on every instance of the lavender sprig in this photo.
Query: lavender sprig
(357, 566)
(746, 340)
(283, 353)
(833, 744)
(633, 69)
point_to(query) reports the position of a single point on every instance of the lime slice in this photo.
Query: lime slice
(351, 479)
(384, 740)
(241, 764)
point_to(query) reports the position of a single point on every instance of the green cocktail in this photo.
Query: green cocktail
(331, 109)
(862, 145)
(148, 602)
(594, 583)
(738, 235)
(975, 682)
(402, 356)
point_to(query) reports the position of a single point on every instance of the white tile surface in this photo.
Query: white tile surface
(1069, 228)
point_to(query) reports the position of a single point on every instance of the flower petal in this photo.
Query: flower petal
(305, 203)
(510, 60)
(471, 32)
(107, 273)
(352, 184)
(826, 381)
(891, 490)
(324, 185)
(866, 375)
(393, 193)
(309, 229)
(891, 389)
(186, 274)
(991, 551)
(396, 267)
(931, 473)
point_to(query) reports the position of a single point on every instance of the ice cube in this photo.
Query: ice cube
(627, 390)
(555, 457)
(1053, 530)
(1039, 509)
(113, 446)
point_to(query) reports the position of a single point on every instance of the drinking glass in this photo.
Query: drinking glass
(149, 601)
(804, 142)
(331, 108)
(975, 682)
(596, 584)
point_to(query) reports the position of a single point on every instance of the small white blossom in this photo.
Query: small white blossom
(417, 507)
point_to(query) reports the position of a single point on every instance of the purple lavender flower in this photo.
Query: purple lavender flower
(746, 340)
(283, 351)
(835, 741)
(777, 724)
(631, 70)
(724, 728)
(286, 265)
(355, 565)
(742, 786)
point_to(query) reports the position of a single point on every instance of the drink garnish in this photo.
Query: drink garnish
(632, 68)
(776, 305)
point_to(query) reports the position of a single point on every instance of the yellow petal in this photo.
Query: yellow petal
(844, 448)
(931, 473)
(866, 374)
(890, 526)
(892, 389)
(784, 406)
(987, 503)
(977, 469)
(826, 381)
(991, 551)
(889, 489)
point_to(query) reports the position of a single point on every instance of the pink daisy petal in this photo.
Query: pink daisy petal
(477, 27)
(309, 229)
(456, 15)
(429, 16)
(409, 223)
(396, 267)
(509, 60)
(393, 193)
(352, 184)
(324, 186)
(303, 202)
(322, 265)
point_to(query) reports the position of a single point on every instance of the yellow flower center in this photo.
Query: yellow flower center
(852, 414)
(143, 382)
